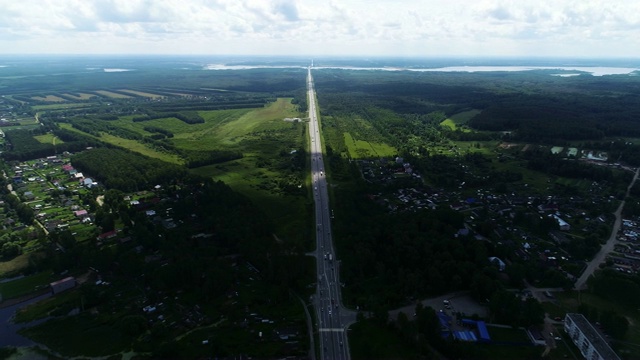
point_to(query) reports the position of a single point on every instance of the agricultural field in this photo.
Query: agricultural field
(60, 106)
(50, 98)
(80, 96)
(111, 94)
(142, 93)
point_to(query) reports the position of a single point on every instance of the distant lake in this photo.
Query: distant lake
(116, 70)
(593, 70)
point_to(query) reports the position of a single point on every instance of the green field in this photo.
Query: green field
(14, 265)
(25, 285)
(132, 145)
(262, 136)
(363, 149)
(458, 119)
(48, 139)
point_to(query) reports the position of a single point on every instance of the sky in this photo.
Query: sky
(399, 28)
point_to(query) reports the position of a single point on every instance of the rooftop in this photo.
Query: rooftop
(601, 346)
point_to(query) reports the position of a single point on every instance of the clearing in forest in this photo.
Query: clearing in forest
(48, 139)
(360, 149)
(460, 118)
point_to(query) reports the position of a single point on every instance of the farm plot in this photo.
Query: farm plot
(51, 98)
(113, 95)
(79, 96)
(141, 93)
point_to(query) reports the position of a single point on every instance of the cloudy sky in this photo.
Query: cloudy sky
(563, 28)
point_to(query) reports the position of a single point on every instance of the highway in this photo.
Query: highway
(332, 318)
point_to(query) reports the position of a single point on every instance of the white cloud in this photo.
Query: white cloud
(356, 27)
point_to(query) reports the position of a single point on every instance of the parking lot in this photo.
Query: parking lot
(458, 302)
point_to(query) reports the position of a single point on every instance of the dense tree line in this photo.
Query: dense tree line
(159, 130)
(392, 257)
(125, 170)
(198, 158)
(546, 162)
(616, 287)
(28, 148)
(189, 117)
(612, 323)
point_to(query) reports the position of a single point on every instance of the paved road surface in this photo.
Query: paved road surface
(333, 319)
(600, 257)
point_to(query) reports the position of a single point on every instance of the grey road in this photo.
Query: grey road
(601, 256)
(332, 318)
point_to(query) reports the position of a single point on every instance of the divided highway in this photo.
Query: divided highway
(332, 318)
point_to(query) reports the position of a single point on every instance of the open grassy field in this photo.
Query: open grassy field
(458, 119)
(222, 128)
(262, 136)
(141, 93)
(271, 117)
(80, 96)
(113, 95)
(290, 214)
(48, 139)
(132, 145)
(14, 265)
(365, 149)
(51, 98)
(60, 106)
(25, 285)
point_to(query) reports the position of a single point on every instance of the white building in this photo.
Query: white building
(587, 338)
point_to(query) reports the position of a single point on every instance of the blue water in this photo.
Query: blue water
(9, 331)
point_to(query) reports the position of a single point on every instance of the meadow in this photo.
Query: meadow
(270, 170)
(364, 149)
(462, 118)
(25, 285)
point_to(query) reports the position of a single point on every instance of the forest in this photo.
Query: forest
(388, 258)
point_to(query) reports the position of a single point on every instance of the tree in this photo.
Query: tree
(10, 250)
